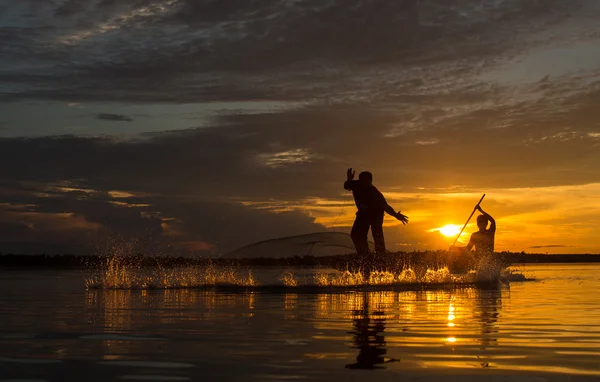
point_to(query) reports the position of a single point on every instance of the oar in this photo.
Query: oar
(470, 216)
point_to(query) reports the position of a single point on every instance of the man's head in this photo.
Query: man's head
(482, 222)
(366, 177)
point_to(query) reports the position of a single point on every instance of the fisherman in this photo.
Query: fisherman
(483, 240)
(371, 206)
(486, 265)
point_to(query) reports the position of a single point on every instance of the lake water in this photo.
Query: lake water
(53, 329)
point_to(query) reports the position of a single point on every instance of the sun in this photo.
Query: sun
(449, 230)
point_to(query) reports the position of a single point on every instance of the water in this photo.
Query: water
(53, 329)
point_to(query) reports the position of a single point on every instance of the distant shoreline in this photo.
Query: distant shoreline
(431, 257)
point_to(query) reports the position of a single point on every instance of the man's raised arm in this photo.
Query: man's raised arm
(490, 218)
(349, 183)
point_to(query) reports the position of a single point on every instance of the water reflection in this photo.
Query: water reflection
(288, 334)
(449, 327)
(465, 317)
(488, 305)
(368, 335)
(457, 327)
(123, 310)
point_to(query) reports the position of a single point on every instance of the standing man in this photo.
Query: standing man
(371, 206)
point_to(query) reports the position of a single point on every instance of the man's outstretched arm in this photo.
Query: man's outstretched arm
(391, 211)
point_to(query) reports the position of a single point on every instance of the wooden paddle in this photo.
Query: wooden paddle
(470, 216)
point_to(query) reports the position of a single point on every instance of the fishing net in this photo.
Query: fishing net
(317, 244)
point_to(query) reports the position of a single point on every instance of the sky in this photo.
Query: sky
(203, 126)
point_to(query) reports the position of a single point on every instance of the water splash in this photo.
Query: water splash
(123, 273)
(440, 275)
(346, 278)
(406, 276)
(514, 275)
(288, 279)
(119, 273)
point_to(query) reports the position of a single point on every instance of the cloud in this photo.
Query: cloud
(192, 51)
(286, 158)
(300, 153)
(83, 218)
(427, 142)
(551, 246)
(114, 117)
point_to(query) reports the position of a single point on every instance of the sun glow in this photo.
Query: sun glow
(449, 230)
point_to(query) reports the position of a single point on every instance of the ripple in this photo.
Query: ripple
(28, 360)
(18, 336)
(152, 364)
(153, 378)
(115, 337)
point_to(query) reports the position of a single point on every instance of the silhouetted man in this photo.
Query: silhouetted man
(371, 207)
(483, 240)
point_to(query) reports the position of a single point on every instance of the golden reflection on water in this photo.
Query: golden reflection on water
(546, 326)
(413, 320)
(119, 309)
(376, 320)
(290, 304)
(453, 327)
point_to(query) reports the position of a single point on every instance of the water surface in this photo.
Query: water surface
(53, 329)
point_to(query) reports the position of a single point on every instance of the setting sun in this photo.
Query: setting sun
(448, 230)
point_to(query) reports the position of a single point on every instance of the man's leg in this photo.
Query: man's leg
(359, 232)
(377, 231)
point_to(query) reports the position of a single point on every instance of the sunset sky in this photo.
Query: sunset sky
(212, 124)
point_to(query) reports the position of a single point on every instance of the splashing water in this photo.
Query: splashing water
(121, 273)
(288, 279)
(440, 275)
(346, 278)
(406, 276)
(514, 275)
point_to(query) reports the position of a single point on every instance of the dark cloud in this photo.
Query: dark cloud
(114, 117)
(302, 153)
(231, 225)
(69, 8)
(209, 50)
(96, 216)
(15, 229)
